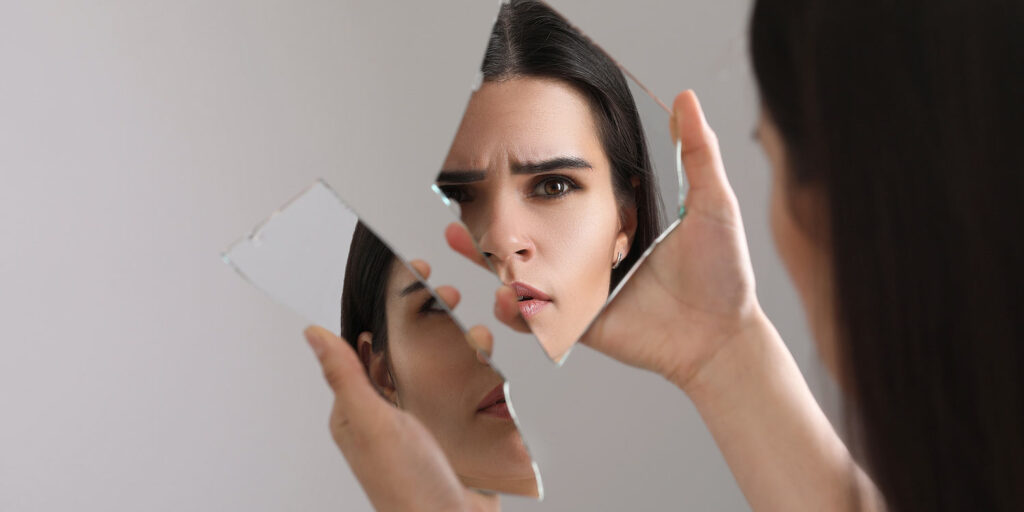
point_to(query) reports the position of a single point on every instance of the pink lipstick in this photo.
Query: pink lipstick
(531, 300)
(494, 404)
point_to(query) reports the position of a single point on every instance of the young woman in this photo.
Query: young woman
(551, 170)
(893, 133)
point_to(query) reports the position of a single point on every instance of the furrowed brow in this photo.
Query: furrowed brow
(552, 164)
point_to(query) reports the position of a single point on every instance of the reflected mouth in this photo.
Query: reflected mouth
(494, 404)
(531, 300)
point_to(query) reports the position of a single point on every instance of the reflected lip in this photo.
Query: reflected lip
(531, 300)
(494, 403)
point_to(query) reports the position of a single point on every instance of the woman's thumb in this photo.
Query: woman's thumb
(342, 370)
(699, 151)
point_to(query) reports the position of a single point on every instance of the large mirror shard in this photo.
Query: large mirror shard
(315, 256)
(563, 170)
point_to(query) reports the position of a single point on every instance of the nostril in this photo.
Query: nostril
(488, 254)
(522, 252)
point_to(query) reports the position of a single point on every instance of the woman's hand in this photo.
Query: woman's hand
(690, 313)
(693, 294)
(397, 461)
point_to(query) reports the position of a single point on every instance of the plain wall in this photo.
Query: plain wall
(137, 140)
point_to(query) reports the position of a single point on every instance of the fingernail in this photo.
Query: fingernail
(316, 340)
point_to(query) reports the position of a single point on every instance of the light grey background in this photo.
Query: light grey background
(137, 140)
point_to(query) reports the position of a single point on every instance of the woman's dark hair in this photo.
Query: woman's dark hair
(907, 117)
(532, 40)
(364, 292)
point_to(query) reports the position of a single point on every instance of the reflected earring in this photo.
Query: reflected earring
(618, 259)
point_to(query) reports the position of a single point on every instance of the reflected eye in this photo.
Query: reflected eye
(457, 193)
(554, 187)
(430, 306)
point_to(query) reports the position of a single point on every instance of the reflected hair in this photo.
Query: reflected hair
(530, 39)
(364, 292)
(906, 118)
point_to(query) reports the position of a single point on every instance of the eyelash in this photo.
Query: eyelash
(430, 307)
(571, 186)
(461, 194)
(450, 191)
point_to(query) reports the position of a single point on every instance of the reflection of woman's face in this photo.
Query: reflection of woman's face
(438, 378)
(535, 188)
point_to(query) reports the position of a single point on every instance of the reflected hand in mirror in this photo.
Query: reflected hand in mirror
(551, 172)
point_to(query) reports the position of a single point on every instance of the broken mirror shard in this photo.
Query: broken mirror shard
(315, 256)
(298, 254)
(563, 170)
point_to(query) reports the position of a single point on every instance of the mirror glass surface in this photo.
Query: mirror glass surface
(564, 172)
(562, 168)
(291, 257)
(314, 256)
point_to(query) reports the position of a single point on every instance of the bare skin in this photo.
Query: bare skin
(728, 359)
(534, 187)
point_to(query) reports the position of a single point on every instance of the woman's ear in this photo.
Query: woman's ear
(627, 229)
(377, 367)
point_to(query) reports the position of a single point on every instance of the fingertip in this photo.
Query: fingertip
(682, 100)
(450, 295)
(318, 339)
(504, 291)
(687, 106)
(454, 231)
(481, 339)
(421, 267)
(504, 297)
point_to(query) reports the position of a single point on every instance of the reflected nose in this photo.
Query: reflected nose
(505, 239)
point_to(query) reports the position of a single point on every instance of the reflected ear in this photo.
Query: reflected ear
(377, 367)
(627, 229)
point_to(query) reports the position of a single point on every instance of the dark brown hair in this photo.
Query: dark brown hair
(906, 116)
(364, 293)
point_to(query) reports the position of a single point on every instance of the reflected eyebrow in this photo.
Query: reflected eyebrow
(552, 164)
(414, 287)
(460, 177)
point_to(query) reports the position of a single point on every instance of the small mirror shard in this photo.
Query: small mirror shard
(299, 257)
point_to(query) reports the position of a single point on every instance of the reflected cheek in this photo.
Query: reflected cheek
(431, 367)
(581, 248)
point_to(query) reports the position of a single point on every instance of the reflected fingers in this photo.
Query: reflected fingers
(422, 268)
(462, 242)
(449, 294)
(481, 339)
(506, 308)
